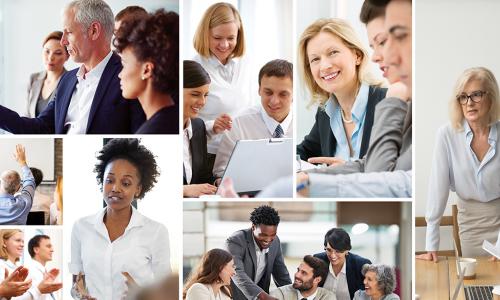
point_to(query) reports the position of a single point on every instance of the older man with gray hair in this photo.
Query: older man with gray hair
(14, 208)
(380, 283)
(88, 99)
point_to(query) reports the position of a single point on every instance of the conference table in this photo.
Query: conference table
(438, 280)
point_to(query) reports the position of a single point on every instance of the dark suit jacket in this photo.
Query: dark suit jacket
(199, 164)
(110, 113)
(241, 245)
(353, 266)
(321, 142)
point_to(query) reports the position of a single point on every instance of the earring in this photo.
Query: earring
(142, 77)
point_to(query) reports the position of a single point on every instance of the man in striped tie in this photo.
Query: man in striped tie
(271, 119)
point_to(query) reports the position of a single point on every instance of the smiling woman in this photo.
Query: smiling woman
(119, 248)
(334, 65)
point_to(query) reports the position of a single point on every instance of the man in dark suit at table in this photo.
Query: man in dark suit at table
(257, 255)
(88, 99)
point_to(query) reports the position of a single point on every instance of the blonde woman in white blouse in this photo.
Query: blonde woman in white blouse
(211, 280)
(220, 43)
(467, 162)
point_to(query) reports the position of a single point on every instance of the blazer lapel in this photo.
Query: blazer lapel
(63, 96)
(102, 86)
(251, 249)
(37, 90)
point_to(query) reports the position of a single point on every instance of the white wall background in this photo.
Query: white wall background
(82, 196)
(23, 26)
(39, 154)
(306, 13)
(451, 36)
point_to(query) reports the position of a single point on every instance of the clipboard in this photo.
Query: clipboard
(254, 164)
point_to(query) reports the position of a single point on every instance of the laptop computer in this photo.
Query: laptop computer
(255, 164)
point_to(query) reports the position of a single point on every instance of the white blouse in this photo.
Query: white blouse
(142, 251)
(456, 167)
(230, 91)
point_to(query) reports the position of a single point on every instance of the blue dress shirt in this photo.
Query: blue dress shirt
(14, 209)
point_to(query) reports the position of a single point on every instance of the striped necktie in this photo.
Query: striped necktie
(278, 132)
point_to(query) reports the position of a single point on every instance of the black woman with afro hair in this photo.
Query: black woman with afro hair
(118, 248)
(149, 49)
(257, 254)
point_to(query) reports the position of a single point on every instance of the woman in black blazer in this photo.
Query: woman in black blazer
(334, 64)
(337, 246)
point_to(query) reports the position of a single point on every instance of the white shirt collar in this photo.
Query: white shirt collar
(189, 129)
(96, 73)
(271, 123)
(299, 295)
(342, 271)
(38, 265)
(136, 220)
(214, 61)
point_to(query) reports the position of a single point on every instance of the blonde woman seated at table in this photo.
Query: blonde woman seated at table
(380, 282)
(467, 162)
(212, 279)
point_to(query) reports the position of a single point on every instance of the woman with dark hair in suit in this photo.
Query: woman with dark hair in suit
(334, 65)
(149, 48)
(197, 172)
(212, 279)
(42, 86)
(344, 276)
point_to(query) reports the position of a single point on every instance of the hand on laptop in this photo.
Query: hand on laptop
(197, 190)
(330, 161)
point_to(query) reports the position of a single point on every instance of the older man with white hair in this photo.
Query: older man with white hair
(88, 99)
(14, 208)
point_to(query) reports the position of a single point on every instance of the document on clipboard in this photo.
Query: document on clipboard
(254, 164)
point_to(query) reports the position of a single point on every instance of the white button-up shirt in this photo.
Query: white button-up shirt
(456, 167)
(261, 261)
(36, 272)
(142, 251)
(300, 297)
(79, 107)
(338, 283)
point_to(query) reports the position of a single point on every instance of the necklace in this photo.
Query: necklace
(344, 118)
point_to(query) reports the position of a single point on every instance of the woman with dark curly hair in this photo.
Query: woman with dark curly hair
(212, 278)
(149, 48)
(119, 247)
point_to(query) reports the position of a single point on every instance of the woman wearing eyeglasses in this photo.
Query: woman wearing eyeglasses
(344, 276)
(467, 162)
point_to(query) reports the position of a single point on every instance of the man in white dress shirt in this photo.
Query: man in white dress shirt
(40, 249)
(273, 119)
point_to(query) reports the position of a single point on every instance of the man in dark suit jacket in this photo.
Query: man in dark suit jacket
(82, 105)
(337, 246)
(257, 255)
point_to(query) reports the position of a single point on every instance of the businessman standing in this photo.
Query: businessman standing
(257, 255)
(88, 99)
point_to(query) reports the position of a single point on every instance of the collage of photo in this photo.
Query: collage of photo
(292, 124)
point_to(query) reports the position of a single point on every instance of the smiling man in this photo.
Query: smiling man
(310, 274)
(257, 254)
(272, 119)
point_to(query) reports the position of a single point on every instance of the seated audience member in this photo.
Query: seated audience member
(212, 278)
(272, 119)
(198, 177)
(14, 208)
(41, 202)
(129, 13)
(344, 276)
(310, 274)
(57, 206)
(88, 99)
(149, 48)
(257, 255)
(380, 282)
(40, 249)
(42, 86)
